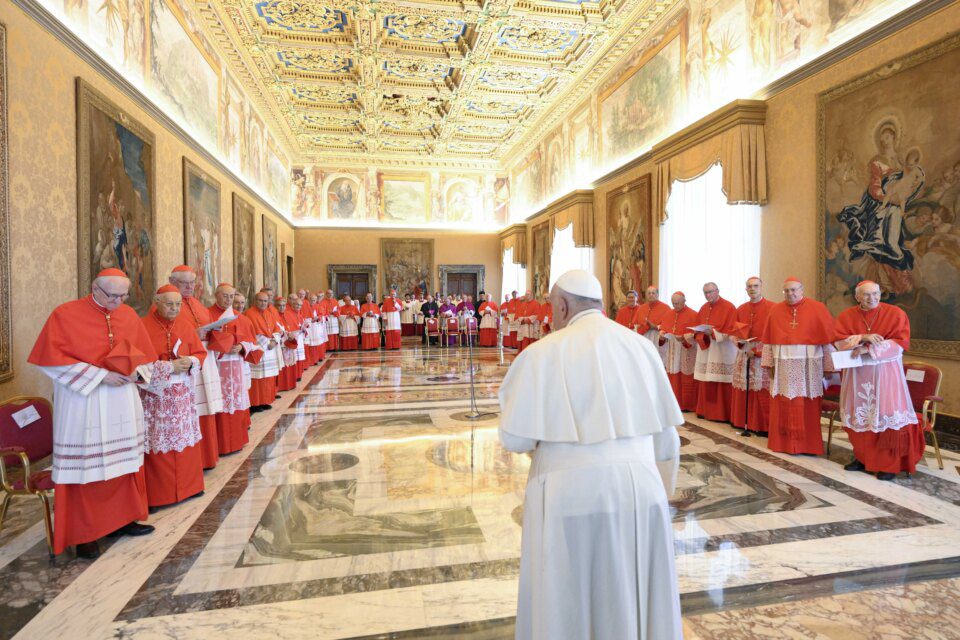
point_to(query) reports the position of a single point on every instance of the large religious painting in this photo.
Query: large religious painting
(278, 179)
(407, 264)
(270, 255)
(629, 229)
(541, 258)
(201, 230)
(185, 74)
(6, 359)
(244, 240)
(889, 192)
(344, 197)
(404, 198)
(462, 202)
(501, 199)
(645, 100)
(116, 224)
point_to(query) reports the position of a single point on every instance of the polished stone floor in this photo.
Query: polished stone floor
(368, 504)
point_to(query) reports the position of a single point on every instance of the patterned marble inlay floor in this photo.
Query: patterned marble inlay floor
(369, 505)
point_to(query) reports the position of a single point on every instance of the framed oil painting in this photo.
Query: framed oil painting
(641, 105)
(270, 255)
(244, 239)
(116, 223)
(6, 359)
(541, 236)
(407, 264)
(201, 230)
(404, 199)
(629, 229)
(888, 165)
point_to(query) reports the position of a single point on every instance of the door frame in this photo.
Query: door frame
(370, 269)
(478, 270)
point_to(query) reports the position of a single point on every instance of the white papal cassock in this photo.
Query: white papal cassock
(594, 404)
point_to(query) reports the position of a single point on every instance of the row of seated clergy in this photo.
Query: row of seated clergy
(525, 320)
(761, 367)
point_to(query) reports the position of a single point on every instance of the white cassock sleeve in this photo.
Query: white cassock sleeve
(517, 444)
(666, 447)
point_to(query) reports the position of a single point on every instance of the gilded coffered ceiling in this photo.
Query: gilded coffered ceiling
(437, 82)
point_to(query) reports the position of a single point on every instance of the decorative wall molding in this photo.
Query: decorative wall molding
(445, 270)
(333, 270)
(6, 335)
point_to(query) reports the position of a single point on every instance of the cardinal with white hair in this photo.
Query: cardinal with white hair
(592, 402)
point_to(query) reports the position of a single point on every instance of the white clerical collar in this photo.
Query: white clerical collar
(582, 314)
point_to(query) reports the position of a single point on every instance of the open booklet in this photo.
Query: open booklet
(223, 321)
(701, 328)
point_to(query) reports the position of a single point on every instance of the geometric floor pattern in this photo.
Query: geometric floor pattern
(369, 505)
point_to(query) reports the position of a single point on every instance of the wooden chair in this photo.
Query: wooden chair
(452, 328)
(925, 394)
(432, 328)
(24, 446)
(830, 406)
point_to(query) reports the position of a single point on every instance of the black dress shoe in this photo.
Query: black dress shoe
(88, 550)
(886, 475)
(856, 465)
(133, 529)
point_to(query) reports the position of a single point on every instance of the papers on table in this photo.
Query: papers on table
(701, 328)
(26, 416)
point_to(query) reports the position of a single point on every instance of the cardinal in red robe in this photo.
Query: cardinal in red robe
(648, 318)
(263, 384)
(681, 350)
(349, 315)
(716, 354)
(794, 338)
(489, 313)
(92, 349)
(331, 309)
(510, 337)
(290, 320)
(390, 309)
(875, 406)
(238, 340)
(752, 316)
(370, 324)
(628, 312)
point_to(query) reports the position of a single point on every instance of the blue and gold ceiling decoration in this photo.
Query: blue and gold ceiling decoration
(392, 81)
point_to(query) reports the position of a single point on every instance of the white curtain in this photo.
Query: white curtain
(707, 240)
(514, 276)
(565, 256)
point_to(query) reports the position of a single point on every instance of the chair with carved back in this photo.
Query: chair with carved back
(452, 329)
(431, 327)
(923, 382)
(20, 449)
(470, 330)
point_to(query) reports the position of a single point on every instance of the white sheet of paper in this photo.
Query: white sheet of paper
(213, 326)
(701, 328)
(846, 360)
(176, 348)
(669, 336)
(916, 375)
(26, 416)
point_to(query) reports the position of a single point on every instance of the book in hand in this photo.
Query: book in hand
(701, 328)
(217, 324)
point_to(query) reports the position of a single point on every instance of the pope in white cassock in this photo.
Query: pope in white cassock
(592, 402)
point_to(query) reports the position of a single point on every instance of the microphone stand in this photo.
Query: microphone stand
(475, 413)
(746, 405)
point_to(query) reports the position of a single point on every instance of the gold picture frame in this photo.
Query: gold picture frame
(6, 335)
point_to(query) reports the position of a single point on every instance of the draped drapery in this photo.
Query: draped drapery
(576, 209)
(515, 238)
(733, 137)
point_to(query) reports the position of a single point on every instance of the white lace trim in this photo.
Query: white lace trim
(797, 370)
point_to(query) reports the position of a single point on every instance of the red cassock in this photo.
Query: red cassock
(546, 317)
(309, 350)
(332, 309)
(714, 398)
(76, 332)
(890, 450)
(321, 317)
(232, 426)
(487, 335)
(175, 475)
(245, 328)
(680, 372)
(530, 309)
(198, 315)
(391, 337)
(510, 338)
(625, 316)
(290, 320)
(369, 341)
(649, 315)
(754, 315)
(795, 397)
(263, 391)
(350, 343)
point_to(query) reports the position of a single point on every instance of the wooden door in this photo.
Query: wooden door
(355, 285)
(462, 283)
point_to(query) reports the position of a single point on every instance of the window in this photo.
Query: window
(565, 256)
(514, 276)
(707, 240)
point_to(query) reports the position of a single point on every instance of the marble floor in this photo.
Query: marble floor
(369, 505)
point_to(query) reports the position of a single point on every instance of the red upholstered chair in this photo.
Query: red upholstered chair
(470, 330)
(452, 328)
(21, 447)
(830, 406)
(432, 328)
(925, 395)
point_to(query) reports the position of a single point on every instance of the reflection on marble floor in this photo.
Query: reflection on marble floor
(368, 505)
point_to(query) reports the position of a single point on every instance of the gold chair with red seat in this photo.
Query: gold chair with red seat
(830, 405)
(451, 329)
(470, 330)
(432, 328)
(923, 382)
(27, 445)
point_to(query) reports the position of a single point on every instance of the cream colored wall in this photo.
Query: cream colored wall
(316, 248)
(789, 221)
(41, 78)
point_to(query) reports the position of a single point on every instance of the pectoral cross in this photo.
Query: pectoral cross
(793, 323)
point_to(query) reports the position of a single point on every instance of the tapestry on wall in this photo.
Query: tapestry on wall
(201, 230)
(270, 255)
(629, 229)
(889, 192)
(116, 224)
(407, 264)
(541, 259)
(6, 359)
(243, 244)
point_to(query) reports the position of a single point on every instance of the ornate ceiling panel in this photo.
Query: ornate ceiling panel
(394, 81)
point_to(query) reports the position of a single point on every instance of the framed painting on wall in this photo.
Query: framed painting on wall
(6, 358)
(888, 170)
(407, 264)
(270, 255)
(541, 237)
(629, 230)
(116, 223)
(404, 198)
(244, 240)
(201, 230)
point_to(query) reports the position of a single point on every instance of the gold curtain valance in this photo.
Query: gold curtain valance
(515, 237)
(576, 209)
(732, 136)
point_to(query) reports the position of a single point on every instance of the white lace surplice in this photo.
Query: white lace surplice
(680, 359)
(797, 370)
(759, 378)
(169, 410)
(874, 397)
(715, 363)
